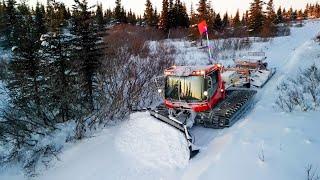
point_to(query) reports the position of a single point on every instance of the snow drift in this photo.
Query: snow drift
(140, 148)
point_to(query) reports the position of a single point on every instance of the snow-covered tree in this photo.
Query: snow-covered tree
(61, 76)
(87, 51)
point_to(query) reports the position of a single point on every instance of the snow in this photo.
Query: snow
(188, 54)
(140, 148)
(188, 70)
(265, 144)
(14, 48)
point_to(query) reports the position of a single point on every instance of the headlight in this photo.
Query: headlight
(205, 93)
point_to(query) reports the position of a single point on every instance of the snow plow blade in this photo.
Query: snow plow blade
(193, 153)
(164, 117)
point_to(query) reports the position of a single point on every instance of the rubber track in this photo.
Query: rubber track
(229, 110)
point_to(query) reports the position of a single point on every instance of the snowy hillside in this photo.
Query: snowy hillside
(265, 144)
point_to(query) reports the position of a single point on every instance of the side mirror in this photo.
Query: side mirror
(209, 83)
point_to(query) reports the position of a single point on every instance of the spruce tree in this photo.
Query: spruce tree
(149, 14)
(164, 19)
(108, 15)
(155, 17)
(269, 28)
(294, 15)
(225, 21)
(211, 16)
(11, 24)
(171, 15)
(118, 11)
(193, 16)
(61, 75)
(243, 20)
(132, 19)
(203, 10)
(60, 12)
(285, 15)
(279, 18)
(27, 80)
(40, 20)
(2, 17)
(99, 17)
(236, 20)
(123, 17)
(184, 16)
(256, 17)
(181, 15)
(218, 23)
(87, 51)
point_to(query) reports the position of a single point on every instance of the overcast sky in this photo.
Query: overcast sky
(219, 5)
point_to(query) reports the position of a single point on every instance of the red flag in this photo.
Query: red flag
(203, 27)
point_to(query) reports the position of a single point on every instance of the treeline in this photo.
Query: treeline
(261, 19)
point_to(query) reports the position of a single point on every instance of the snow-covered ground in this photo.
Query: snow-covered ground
(125, 152)
(265, 144)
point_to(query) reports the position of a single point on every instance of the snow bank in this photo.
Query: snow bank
(11, 174)
(152, 143)
(140, 148)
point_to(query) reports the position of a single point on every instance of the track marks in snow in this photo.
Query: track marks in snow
(206, 159)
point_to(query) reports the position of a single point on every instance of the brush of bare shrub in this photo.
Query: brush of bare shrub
(125, 79)
(311, 173)
(301, 93)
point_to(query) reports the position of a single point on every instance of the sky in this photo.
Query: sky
(220, 6)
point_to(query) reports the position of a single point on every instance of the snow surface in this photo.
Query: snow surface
(137, 149)
(265, 144)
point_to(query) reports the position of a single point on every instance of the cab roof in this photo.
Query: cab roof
(191, 70)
